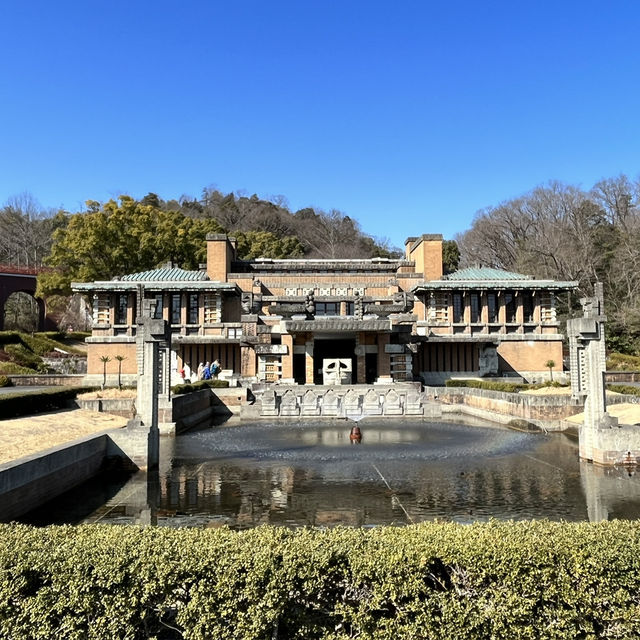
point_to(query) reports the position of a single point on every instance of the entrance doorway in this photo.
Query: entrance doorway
(333, 348)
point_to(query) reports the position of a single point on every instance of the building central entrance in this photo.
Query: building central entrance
(325, 348)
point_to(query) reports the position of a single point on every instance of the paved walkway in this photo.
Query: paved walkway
(25, 436)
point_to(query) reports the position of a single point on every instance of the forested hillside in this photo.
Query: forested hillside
(564, 232)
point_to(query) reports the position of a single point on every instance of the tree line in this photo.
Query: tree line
(563, 232)
(556, 231)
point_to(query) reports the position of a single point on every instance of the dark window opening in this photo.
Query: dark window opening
(327, 308)
(175, 308)
(157, 314)
(121, 308)
(475, 307)
(492, 307)
(528, 306)
(192, 308)
(458, 308)
(510, 306)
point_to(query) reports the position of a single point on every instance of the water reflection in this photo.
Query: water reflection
(298, 475)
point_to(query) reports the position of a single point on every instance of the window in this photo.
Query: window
(121, 308)
(458, 308)
(234, 332)
(475, 307)
(350, 308)
(175, 308)
(157, 314)
(327, 308)
(192, 308)
(492, 307)
(510, 306)
(528, 306)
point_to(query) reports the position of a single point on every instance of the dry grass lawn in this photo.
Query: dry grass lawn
(30, 435)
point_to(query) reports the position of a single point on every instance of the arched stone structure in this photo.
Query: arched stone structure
(20, 280)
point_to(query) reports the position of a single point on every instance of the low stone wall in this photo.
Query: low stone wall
(125, 407)
(48, 380)
(517, 409)
(30, 482)
(621, 377)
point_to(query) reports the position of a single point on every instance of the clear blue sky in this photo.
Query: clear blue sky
(408, 116)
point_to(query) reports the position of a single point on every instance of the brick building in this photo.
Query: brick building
(312, 321)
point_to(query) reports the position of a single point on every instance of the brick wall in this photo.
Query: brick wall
(531, 355)
(96, 351)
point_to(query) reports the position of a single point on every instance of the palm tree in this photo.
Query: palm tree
(550, 364)
(120, 359)
(104, 360)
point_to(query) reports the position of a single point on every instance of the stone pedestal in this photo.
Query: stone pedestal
(602, 439)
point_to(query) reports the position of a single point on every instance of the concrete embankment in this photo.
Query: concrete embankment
(43, 456)
(546, 412)
(29, 482)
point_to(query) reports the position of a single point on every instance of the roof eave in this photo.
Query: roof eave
(494, 284)
(152, 285)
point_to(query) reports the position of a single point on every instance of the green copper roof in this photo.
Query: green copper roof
(485, 273)
(166, 274)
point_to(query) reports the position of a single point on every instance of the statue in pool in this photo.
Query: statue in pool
(355, 435)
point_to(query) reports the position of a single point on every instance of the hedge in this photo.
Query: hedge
(510, 387)
(11, 368)
(190, 387)
(13, 405)
(626, 389)
(623, 362)
(23, 356)
(521, 580)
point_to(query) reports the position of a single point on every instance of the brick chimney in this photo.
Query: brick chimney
(221, 250)
(426, 253)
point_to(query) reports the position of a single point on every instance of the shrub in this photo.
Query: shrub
(511, 387)
(623, 362)
(9, 337)
(11, 368)
(23, 356)
(626, 389)
(190, 387)
(17, 404)
(4, 381)
(494, 580)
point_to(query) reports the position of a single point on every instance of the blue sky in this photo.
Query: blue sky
(408, 116)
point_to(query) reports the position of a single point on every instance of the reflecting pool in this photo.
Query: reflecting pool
(313, 474)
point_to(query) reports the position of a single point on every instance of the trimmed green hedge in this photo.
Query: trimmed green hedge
(13, 405)
(190, 387)
(626, 389)
(510, 387)
(23, 356)
(521, 580)
(11, 368)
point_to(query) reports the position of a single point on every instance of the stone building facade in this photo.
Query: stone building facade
(310, 321)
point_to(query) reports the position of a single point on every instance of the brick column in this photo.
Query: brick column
(519, 307)
(287, 359)
(247, 362)
(308, 362)
(361, 368)
(384, 362)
